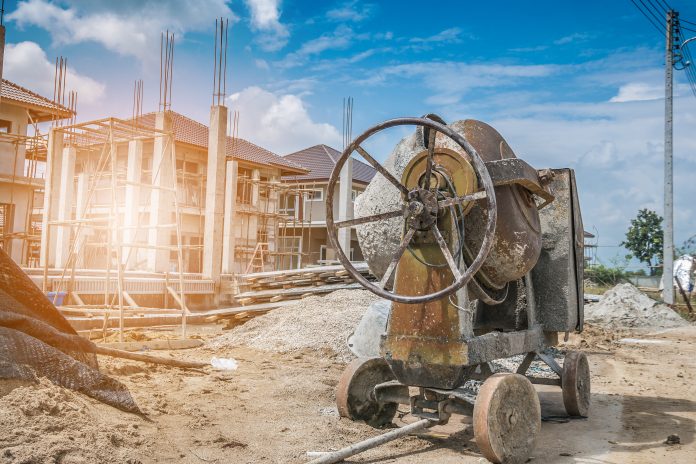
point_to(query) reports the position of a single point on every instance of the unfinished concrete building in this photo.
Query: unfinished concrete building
(153, 196)
(22, 158)
(310, 210)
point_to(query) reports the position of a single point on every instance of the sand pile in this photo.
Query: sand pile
(47, 423)
(317, 323)
(624, 306)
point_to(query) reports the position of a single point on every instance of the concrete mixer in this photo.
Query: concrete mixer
(481, 257)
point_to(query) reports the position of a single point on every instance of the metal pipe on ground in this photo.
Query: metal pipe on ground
(352, 450)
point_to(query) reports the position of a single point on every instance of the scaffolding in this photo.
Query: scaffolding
(264, 244)
(104, 222)
(31, 182)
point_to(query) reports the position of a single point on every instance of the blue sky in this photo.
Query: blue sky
(568, 84)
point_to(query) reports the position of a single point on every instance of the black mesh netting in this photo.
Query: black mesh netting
(37, 341)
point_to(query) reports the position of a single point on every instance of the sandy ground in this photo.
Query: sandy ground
(276, 407)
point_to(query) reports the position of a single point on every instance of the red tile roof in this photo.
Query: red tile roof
(186, 130)
(321, 159)
(42, 107)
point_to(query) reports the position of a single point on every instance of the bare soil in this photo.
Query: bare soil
(277, 406)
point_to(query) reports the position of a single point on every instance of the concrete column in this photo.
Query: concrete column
(273, 199)
(162, 199)
(345, 204)
(132, 203)
(81, 213)
(54, 156)
(65, 206)
(228, 234)
(255, 177)
(215, 193)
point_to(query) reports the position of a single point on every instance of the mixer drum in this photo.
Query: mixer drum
(518, 233)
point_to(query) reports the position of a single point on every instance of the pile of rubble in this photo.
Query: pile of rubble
(624, 306)
(318, 323)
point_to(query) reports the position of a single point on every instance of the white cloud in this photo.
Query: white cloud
(351, 11)
(573, 38)
(638, 91)
(341, 38)
(265, 17)
(27, 65)
(450, 81)
(126, 27)
(451, 35)
(279, 123)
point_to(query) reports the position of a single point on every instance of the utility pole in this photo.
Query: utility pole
(668, 250)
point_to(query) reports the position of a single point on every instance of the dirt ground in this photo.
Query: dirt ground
(274, 408)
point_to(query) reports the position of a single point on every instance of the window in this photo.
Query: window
(263, 187)
(314, 195)
(5, 126)
(244, 186)
(288, 203)
(355, 194)
(322, 252)
(262, 235)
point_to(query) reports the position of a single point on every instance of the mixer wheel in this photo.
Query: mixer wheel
(355, 393)
(507, 418)
(575, 384)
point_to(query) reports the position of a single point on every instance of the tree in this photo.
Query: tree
(644, 239)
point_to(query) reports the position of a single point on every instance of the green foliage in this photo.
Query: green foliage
(644, 238)
(605, 276)
(687, 248)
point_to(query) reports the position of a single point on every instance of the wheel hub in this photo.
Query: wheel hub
(422, 208)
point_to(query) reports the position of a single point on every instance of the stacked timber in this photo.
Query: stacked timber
(294, 284)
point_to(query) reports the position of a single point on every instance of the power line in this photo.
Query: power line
(661, 29)
(653, 12)
(664, 11)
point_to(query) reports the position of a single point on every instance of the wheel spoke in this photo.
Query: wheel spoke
(372, 218)
(379, 168)
(446, 252)
(464, 198)
(397, 256)
(429, 160)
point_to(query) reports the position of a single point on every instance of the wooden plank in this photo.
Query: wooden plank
(131, 302)
(308, 270)
(77, 298)
(177, 344)
(298, 291)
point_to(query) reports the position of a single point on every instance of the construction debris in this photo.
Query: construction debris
(318, 324)
(300, 283)
(624, 306)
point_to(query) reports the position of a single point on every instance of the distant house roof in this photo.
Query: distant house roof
(321, 159)
(186, 130)
(40, 108)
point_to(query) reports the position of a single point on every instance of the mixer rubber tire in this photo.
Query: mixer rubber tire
(355, 392)
(507, 418)
(575, 384)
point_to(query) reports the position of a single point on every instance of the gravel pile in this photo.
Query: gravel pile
(318, 323)
(624, 306)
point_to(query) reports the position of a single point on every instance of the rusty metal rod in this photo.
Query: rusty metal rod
(352, 450)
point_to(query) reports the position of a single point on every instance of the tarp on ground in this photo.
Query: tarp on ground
(37, 341)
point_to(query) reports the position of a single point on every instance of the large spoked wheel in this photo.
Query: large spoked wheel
(355, 393)
(575, 384)
(507, 418)
(419, 206)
